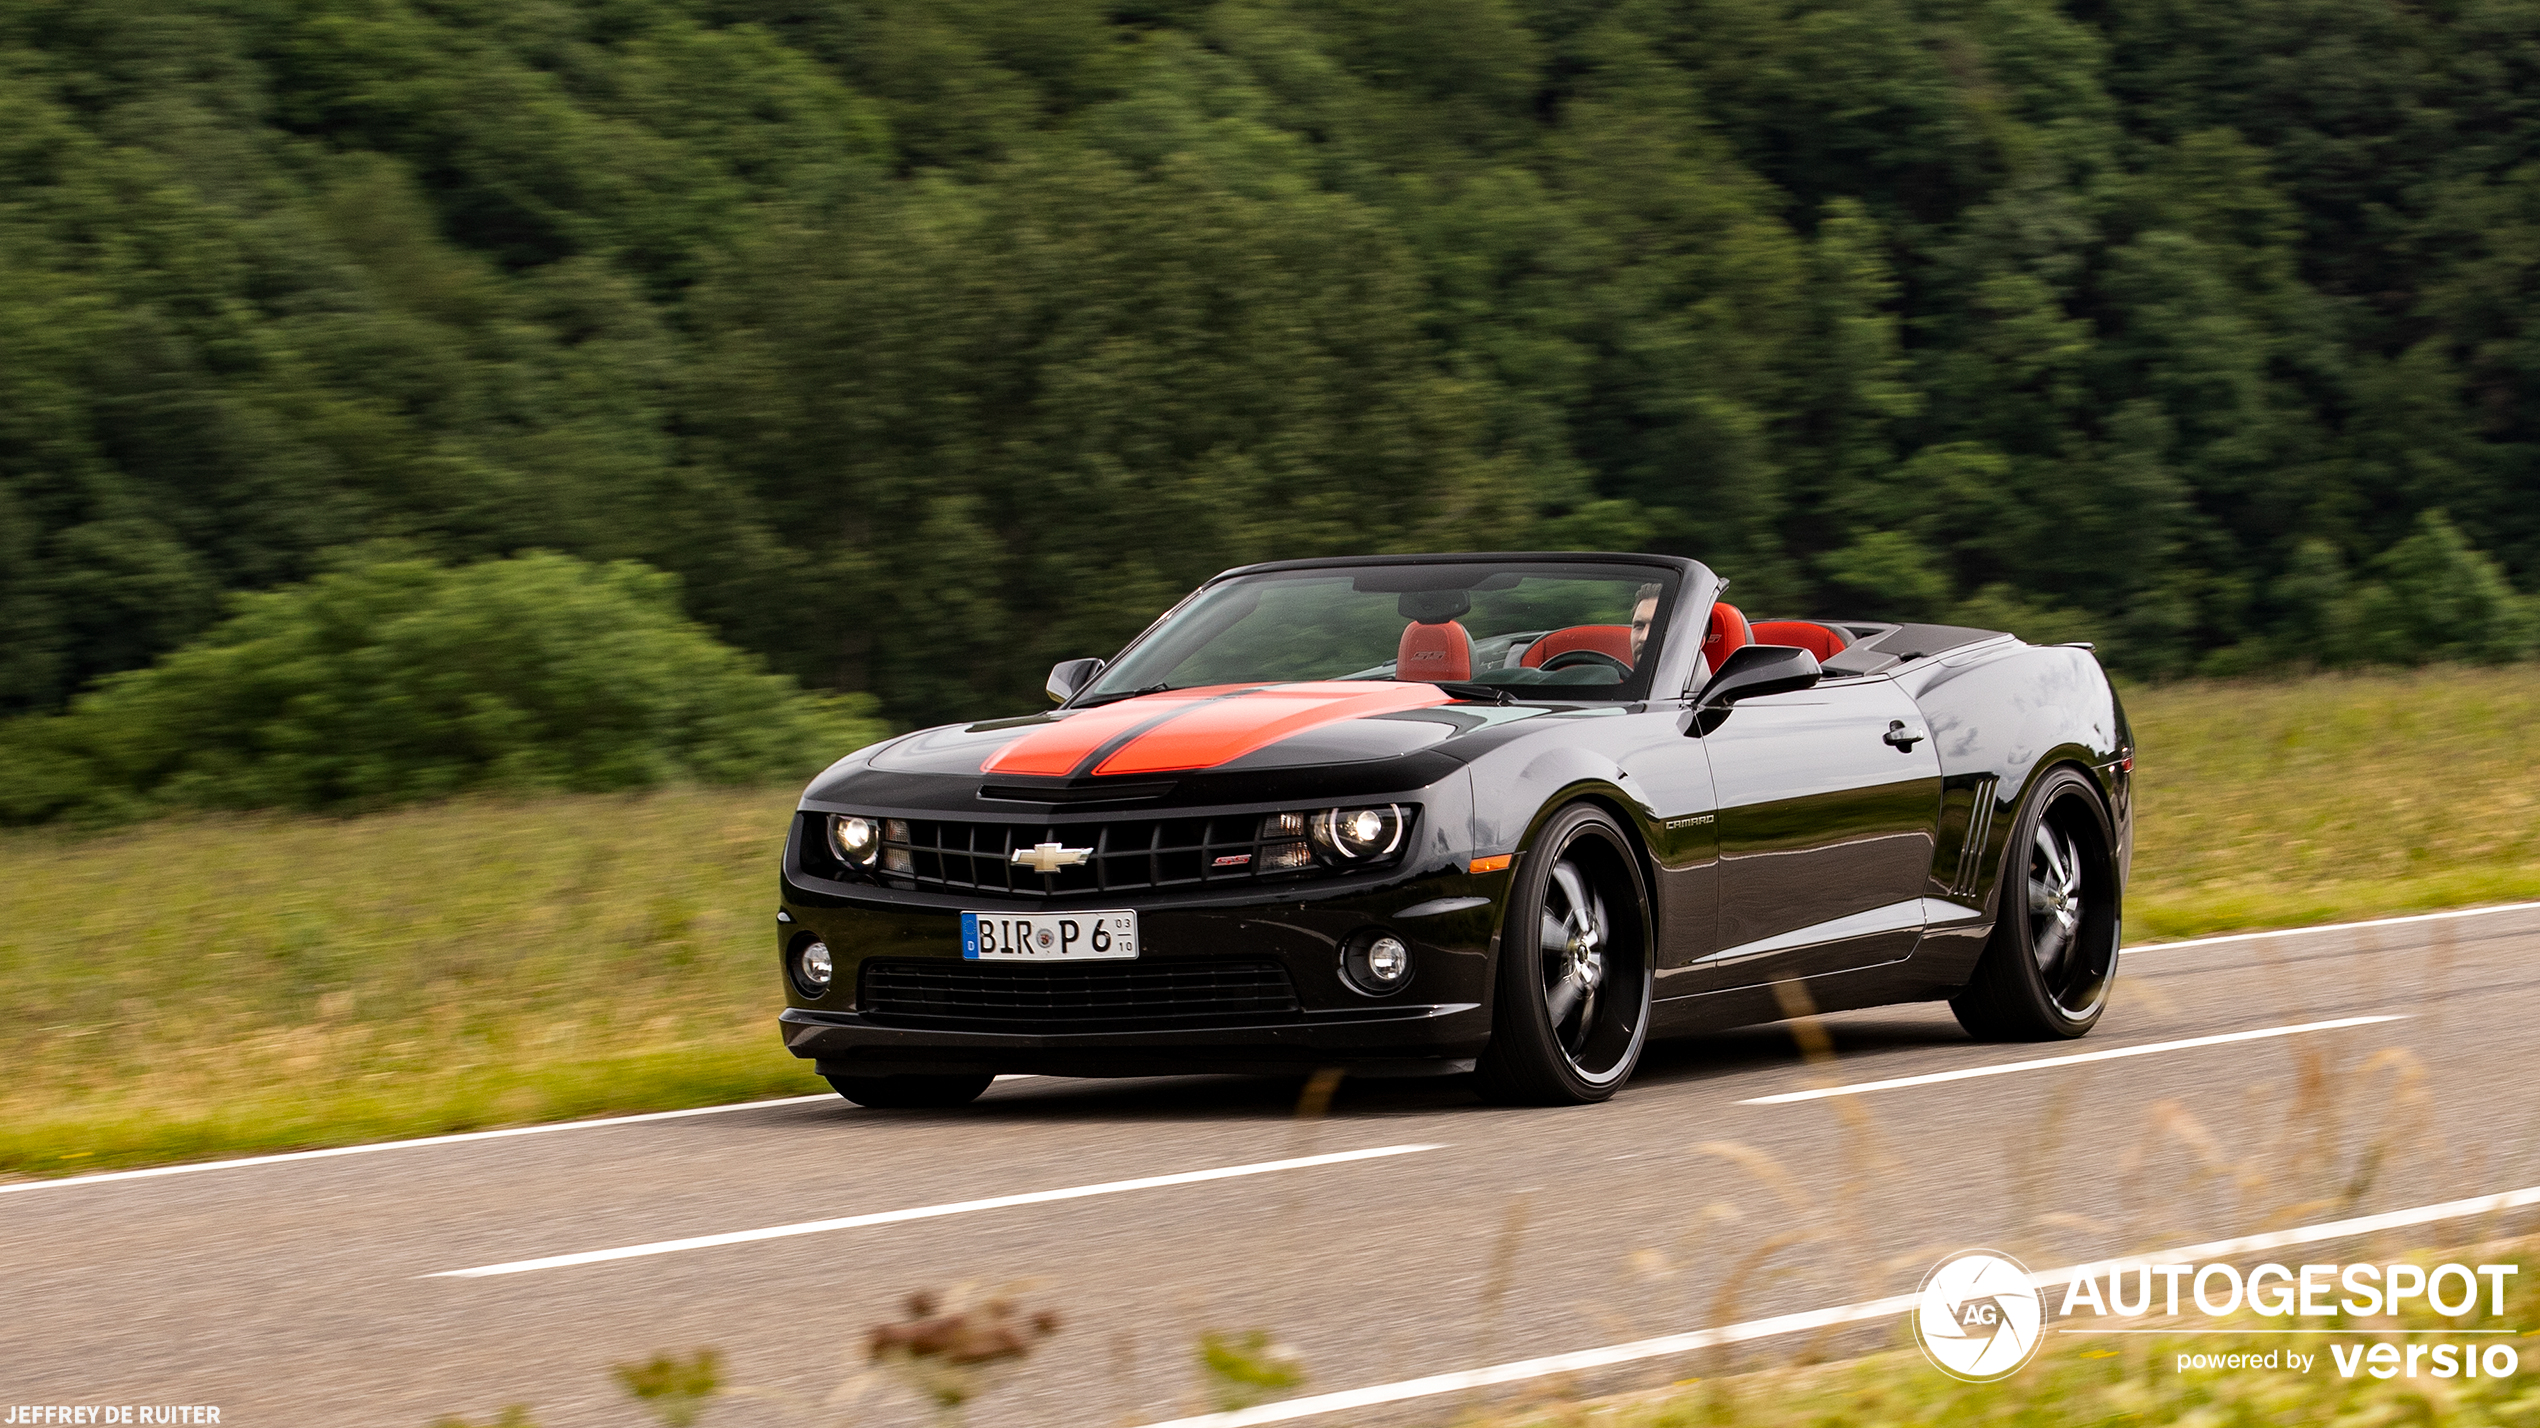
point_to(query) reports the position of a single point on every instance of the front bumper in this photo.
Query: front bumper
(1416, 1040)
(1436, 1024)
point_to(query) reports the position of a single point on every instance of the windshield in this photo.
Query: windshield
(1584, 631)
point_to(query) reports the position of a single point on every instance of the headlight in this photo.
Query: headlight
(855, 839)
(1334, 837)
(1359, 832)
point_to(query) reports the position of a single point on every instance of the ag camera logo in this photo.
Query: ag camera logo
(1977, 1317)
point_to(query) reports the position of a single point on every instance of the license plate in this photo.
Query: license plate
(1050, 937)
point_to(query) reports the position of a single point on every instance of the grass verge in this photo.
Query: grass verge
(2279, 803)
(224, 985)
(211, 984)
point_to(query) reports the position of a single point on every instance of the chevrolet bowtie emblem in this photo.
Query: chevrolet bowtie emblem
(1049, 857)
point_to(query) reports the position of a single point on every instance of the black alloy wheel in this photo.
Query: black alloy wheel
(2046, 971)
(1574, 967)
(910, 1093)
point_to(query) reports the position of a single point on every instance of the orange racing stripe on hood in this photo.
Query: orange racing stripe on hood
(1057, 748)
(1198, 728)
(1220, 730)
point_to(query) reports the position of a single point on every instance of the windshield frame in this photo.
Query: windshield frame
(1666, 668)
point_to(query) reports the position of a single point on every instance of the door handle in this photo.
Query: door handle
(1899, 737)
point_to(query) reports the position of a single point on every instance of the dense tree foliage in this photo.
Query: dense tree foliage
(930, 340)
(395, 680)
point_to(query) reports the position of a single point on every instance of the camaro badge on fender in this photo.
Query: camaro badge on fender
(1050, 857)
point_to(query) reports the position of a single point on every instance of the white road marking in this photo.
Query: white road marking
(2112, 1054)
(365, 1149)
(1779, 1324)
(2140, 948)
(926, 1212)
(198, 1166)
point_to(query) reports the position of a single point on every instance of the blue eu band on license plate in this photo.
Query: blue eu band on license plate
(1107, 936)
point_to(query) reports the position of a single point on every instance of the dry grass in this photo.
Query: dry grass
(2131, 1380)
(216, 984)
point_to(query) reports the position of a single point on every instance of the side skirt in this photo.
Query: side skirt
(1908, 980)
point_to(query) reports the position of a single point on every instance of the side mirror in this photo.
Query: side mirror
(1752, 670)
(1069, 675)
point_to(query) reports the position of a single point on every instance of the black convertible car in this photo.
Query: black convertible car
(1508, 814)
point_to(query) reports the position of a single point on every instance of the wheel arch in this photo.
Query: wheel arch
(1997, 855)
(1629, 814)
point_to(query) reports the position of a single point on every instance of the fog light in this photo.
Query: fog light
(1376, 963)
(812, 968)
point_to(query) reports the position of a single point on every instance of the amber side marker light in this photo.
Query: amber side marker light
(1491, 865)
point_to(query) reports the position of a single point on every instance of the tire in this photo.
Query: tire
(2047, 968)
(910, 1093)
(1574, 968)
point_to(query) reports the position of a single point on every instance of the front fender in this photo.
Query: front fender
(1518, 801)
(1511, 803)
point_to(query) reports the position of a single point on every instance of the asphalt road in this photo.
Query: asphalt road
(314, 1291)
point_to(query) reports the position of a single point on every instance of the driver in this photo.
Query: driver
(1644, 611)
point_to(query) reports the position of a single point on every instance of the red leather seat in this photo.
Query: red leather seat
(1442, 651)
(1727, 631)
(1615, 640)
(1816, 639)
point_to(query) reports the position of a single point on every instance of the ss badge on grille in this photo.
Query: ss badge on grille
(1049, 857)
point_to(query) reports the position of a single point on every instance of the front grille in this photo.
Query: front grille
(1128, 855)
(1120, 996)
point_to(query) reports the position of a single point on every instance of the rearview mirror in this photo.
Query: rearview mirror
(1069, 675)
(1752, 670)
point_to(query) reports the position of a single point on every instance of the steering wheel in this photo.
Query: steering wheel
(1571, 659)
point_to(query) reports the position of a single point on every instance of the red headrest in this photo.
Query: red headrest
(1816, 639)
(1434, 652)
(1615, 640)
(1728, 631)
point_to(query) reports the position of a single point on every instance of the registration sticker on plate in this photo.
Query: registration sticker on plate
(1050, 937)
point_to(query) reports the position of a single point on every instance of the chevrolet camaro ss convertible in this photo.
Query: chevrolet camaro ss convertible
(1509, 814)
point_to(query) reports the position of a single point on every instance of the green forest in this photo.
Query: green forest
(923, 344)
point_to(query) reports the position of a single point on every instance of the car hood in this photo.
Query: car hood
(1231, 727)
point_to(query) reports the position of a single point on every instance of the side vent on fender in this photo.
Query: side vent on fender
(1978, 827)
